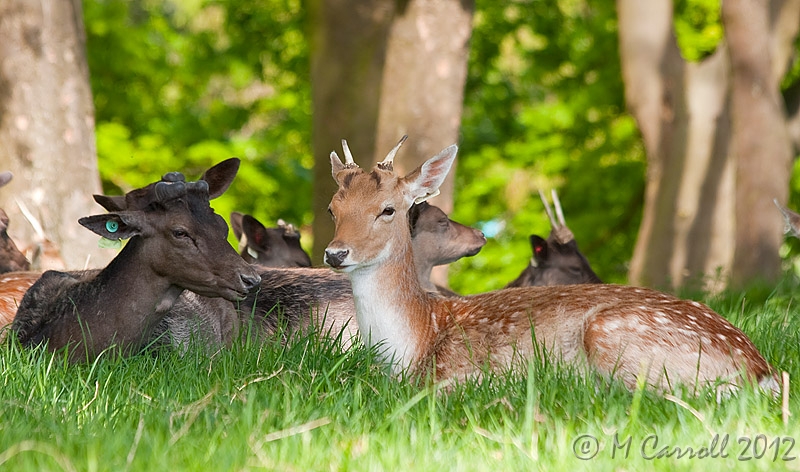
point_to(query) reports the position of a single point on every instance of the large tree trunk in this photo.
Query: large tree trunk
(348, 47)
(760, 35)
(47, 126)
(423, 87)
(689, 234)
(381, 69)
(681, 111)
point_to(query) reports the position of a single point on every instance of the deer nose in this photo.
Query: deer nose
(334, 258)
(250, 281)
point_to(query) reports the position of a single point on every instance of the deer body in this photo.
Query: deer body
(616, 330)
(177, 242)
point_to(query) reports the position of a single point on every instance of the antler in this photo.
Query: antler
(388, 163)
(560, 232)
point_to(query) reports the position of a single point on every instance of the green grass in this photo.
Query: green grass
(307, 406)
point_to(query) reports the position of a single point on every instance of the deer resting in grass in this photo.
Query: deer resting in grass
(556, 260)
(268, 247)
(11, 258)
(297, 298)
(177, 242)
(619, 331)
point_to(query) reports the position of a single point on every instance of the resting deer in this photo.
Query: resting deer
(619, 331)
(304, 296)
(556, 260)
(177, 242)
(11, 259)
(268, 247)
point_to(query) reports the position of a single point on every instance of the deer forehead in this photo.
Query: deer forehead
(360, 191)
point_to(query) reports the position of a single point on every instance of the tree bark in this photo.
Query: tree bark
(760, 38)
(348, 50)
(47, 126)
(423, 87)
(681, 111)
(692, 126)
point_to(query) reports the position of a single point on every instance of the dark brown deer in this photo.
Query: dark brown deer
(268, 247)
(11, 259)
(618, 331)
(177, 242)
(301, 298)
(556, 260)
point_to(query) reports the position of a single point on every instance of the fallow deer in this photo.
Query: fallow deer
(438, 240)
(11, 259)
(304, 297)
(556, 260)
(619, 331)
(268, 247)
(318, 297)
(177, 242)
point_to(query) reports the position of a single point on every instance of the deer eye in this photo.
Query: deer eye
(388, 211)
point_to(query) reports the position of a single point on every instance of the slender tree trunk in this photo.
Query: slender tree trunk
(423, 86)
(348, 49)
(47, 126)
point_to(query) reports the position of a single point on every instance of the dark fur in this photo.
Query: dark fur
(554, 263)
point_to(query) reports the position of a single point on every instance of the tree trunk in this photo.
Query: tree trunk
(681, 111)
(759, 35)
(689, 235)
(423, 87)
(348, 48)
(47, 126)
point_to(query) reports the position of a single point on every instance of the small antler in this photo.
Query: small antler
(559, 231)
(348, 156)
(388, 163)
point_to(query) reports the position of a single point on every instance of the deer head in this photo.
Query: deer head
(268, 247)
(369, 234)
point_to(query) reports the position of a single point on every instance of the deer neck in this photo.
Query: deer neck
(140, 296)
(392, 308)
(424, 270)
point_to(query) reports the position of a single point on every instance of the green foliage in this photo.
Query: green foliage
(698, 27)
(186, 84)
(544, 109)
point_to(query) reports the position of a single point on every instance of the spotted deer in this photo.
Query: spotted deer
(176, 243)
(618, 331)
(557, 259)
(296, 298)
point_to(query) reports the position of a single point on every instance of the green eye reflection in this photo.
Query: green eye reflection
(112, 226)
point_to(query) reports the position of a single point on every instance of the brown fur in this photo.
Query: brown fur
(619, 331)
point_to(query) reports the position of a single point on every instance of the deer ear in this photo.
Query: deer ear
(236, 224)
(256, 232)
(122, 225)
(220, 176)
(336, 165)
(423, 182)
(115, 203)
(539, 247)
